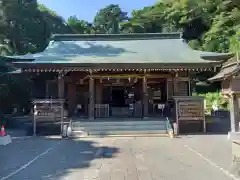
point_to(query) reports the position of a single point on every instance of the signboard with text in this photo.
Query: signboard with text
(190, 110)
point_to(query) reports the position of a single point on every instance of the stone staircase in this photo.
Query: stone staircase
(117, 127)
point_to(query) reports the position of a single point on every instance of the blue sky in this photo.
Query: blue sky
(86, 9)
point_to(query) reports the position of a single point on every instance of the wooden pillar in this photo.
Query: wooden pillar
(166, 84)
(71, 97)
(170, 88)
(175, 84)
(233, 105)
(60, 85)
(35, 113)
(145, 97)
(61, 95)
(91, 107)
(189, 87)
(98, 92)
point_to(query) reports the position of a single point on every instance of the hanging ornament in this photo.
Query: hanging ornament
(135, 80)
(81, 81)
(108, 78)
(129, 79)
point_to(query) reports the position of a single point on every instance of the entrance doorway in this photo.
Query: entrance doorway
(118, 97)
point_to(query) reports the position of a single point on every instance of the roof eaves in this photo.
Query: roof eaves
(18, 71)
(230, 62)
(216, 56)
(221, 75)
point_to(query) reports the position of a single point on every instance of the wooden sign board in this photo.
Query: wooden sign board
(190, 110)
(47, 109)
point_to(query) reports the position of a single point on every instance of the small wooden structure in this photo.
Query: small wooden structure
(229, 76)
(48, 110)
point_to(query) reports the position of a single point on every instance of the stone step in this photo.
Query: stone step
(117, 133)
(116, 123)
(119, 127)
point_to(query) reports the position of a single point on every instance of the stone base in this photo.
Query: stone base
(175, 126)
(234, 136)
(5, 140)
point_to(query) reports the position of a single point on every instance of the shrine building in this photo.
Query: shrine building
(116, 75)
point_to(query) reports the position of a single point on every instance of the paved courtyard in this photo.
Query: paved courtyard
(127, 158)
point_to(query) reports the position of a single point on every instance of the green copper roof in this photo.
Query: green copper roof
(116, 48)
(215, 56)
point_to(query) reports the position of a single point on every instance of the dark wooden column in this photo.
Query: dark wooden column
(61, 95)
(145, 97)
(91, 99)
(71, 97)
(98, 92)
(175, 84)
(60, 85)
(189, 87)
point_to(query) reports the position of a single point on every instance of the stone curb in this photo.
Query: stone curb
(5, 140)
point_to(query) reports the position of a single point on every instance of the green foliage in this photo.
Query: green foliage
(206, 25)
(79, 26)
(235, 42)
(212, 97)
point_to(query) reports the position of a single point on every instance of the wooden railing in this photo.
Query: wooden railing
(101, 110)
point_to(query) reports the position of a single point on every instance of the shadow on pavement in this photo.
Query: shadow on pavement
(65, 157)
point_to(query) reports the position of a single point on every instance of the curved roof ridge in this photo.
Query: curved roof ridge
(113, 37)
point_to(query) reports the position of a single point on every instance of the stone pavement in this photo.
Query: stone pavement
(126, 158)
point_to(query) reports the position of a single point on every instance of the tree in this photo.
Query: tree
(54, 24)
(108, 19)
(23, 26)
(143, 22)
(206, 24)
(235, 44)
(79, 26)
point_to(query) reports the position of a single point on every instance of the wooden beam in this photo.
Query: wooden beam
(126, 76)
